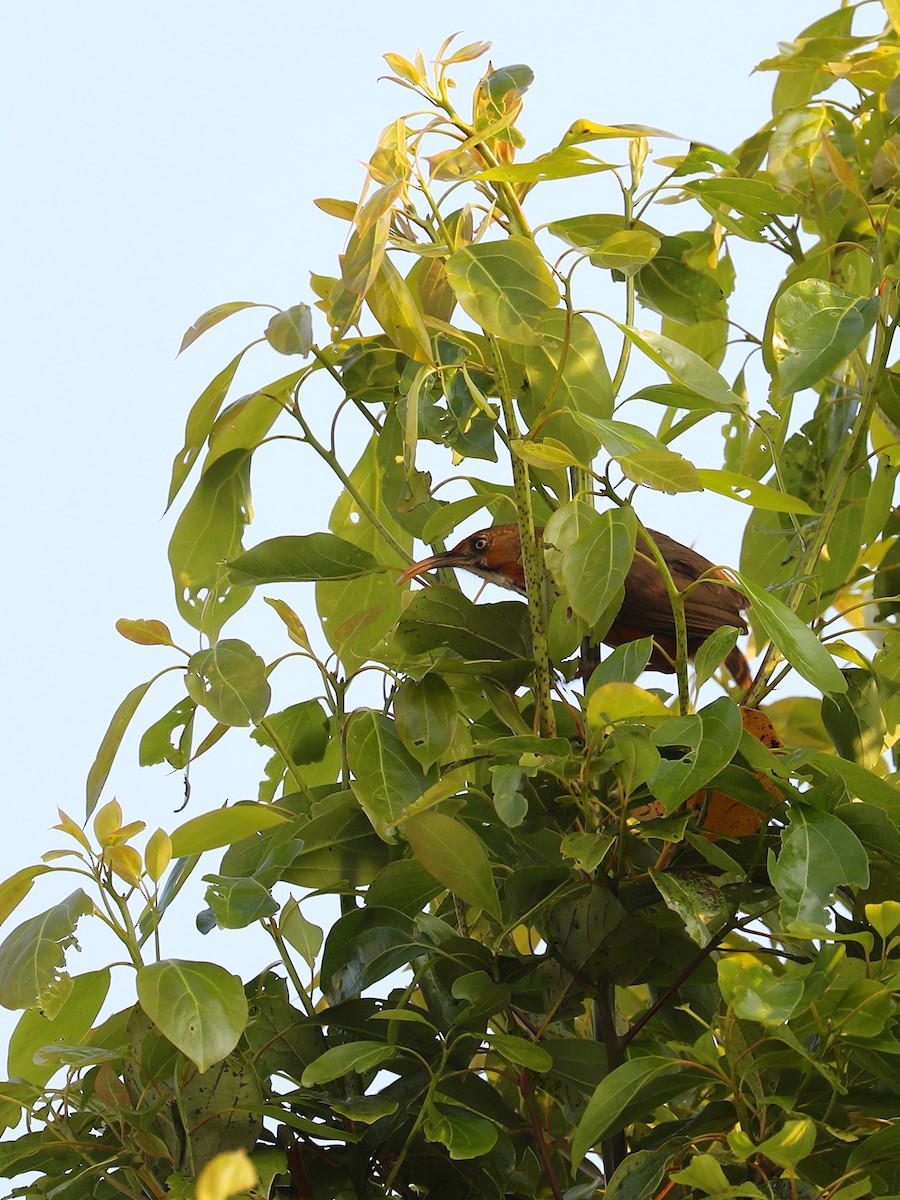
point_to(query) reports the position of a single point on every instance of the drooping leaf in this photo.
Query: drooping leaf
(592, 555)
(819, 854)
(386, 777)
(455, 856)
(208, 533)
(290, 331)
(112, 739)
(33, 957)
(426, 715)
(794, 639)
(229, 681)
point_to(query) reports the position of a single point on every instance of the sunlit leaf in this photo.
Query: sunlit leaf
(290, 331)
(817, 325)
(223, 827)
(505, 286)
(200, 1007)
(33, 957)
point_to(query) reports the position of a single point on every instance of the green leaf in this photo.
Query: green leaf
(69, 1025)
(791, 1144)
(200, 1007)
(212, 317)
(604, 1112)
(33, 957)
(796, 641)
(705, 1173)
(426, 715)
(465, 1136)
(455, 856)
(235, 903)
(229, 681)
(290, 331)
(685, 368)
(14, 889)
(663, 470)
(593, 554)
(639, 1175)
(694, 898)
(566, 375)
(302, 558)
(751, 491)
(364, 946)
(303, 935)
(817, 325)
(711, 736)
(158, 743)
(112, 739)
(199, 424)
(223, 827)
(207, 534)
(818, 855)
(442, 618)
(521, 1052)
(627, 250)
(505, 286)
(712, 653)
(386, 777)
(341, 1060)
(145, 633)
(756, 993)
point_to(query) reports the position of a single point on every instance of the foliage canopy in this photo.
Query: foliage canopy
(621, 943)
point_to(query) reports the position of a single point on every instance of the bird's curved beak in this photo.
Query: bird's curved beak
(449, 558)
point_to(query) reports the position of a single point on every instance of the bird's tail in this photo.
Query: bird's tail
(739, 668)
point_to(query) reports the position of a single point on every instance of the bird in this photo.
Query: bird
(495, 554)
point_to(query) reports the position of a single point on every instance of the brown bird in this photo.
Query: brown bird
(495, 555)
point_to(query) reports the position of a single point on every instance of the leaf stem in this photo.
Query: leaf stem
(531, 557)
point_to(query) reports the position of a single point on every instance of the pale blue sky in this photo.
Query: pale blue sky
(164, 158)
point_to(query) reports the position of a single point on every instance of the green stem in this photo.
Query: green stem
(845, 462)
(531, 558)
(302, 786)
(271, 928)
(361, 503)
(625, 355)
(418, 1123)
(676, 600)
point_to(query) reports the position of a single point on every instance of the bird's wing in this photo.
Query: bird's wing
(646, 604)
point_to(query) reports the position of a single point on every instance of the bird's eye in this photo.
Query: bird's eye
(480, 544)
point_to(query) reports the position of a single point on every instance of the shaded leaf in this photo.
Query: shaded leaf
(794, 639)
(455, 856)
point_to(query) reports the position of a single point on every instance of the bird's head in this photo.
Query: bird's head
(493, 554)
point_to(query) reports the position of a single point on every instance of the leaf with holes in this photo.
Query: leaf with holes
(200, 1007)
